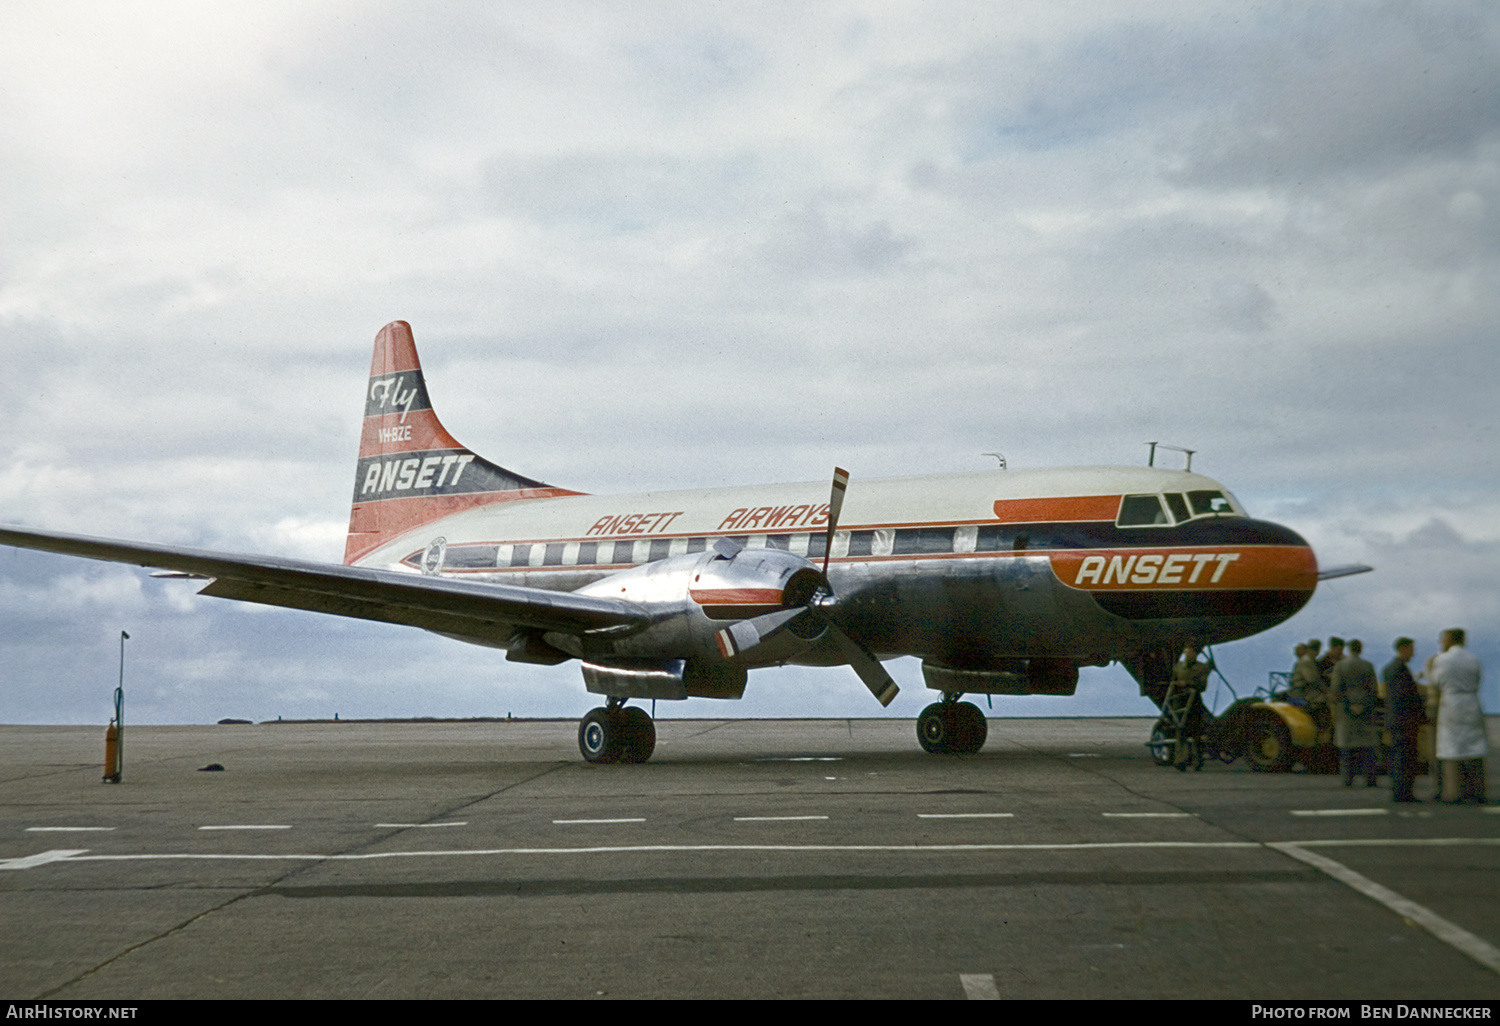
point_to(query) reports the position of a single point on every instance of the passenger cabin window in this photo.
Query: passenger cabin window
(1142, 511)
(923, 541)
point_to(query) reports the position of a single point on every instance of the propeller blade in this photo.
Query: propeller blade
(867, 666)
(835, 507)
(745, 635)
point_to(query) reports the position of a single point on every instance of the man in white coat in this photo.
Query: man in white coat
(1460, 728)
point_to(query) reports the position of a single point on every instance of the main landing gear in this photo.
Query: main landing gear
(952, 727)
(617, 734)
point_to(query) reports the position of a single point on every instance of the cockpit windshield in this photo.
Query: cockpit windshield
(1211, 504)
(1149, 511)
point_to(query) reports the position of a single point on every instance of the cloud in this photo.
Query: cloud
(703, 247)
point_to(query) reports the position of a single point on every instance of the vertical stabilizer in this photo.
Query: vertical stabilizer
(410, 469)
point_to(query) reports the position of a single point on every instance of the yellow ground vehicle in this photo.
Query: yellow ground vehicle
(1273, 734)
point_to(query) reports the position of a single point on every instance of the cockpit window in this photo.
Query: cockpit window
(1142, 511)
(1210, 504)
(1178, 505)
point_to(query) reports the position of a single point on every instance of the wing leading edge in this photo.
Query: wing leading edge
(488, 614)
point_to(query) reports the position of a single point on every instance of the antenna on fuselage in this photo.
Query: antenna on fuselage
(1175, 448)
(998, 456)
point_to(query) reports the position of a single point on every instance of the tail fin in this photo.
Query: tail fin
(411, 471)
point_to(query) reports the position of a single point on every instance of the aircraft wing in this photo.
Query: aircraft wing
(485, 613)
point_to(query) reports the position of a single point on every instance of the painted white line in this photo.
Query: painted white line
(1340, 812)
(1150, 815)
(572, 821)
(979, 986)
(774, 819)
(966, 815)
(1481, 951)
(1083, 755)
(41, 859)
(419, 826)
(1492, 809)
(1353, 842)
(65, 830)
(617, 849)
(806, 758)
(247, 826)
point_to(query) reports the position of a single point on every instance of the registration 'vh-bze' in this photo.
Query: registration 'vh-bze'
(1002, 582)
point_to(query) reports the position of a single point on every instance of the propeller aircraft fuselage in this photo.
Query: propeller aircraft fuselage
(1001, 582)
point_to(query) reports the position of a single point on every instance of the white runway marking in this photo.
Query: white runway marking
(616, 849)
(65, 830)
(419, 826)
(1083, 755)
(805, 758)
(1151, 815)
(774, 819)
(966, 815)
(573, 821)
(1481, 951)
(41, 858)
(1340, 812)
(979, 986)
(248, 826)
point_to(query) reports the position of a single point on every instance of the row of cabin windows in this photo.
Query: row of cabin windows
(1135, 511)
(913, 541)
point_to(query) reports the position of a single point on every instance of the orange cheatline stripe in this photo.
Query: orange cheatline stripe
(1066, 508)
(735, 596)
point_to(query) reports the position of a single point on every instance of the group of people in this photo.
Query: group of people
(1341, 685)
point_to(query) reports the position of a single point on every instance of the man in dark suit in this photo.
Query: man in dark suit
(1403, 715)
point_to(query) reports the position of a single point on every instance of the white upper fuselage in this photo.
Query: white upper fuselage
(754, 512)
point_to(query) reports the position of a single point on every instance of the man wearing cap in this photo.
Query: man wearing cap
(1351, 693)
(1330, 659)
(1403, 715)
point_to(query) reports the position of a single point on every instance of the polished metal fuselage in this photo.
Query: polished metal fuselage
(940, 567)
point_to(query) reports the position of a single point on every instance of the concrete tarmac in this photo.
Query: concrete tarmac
(809, 858)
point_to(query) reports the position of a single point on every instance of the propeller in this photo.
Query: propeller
(824, 602)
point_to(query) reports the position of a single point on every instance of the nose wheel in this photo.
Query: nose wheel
(617, 734)
(952, 727)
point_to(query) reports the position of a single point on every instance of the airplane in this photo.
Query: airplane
(1003, 582)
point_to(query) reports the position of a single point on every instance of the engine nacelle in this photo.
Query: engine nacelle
(727, 607)
(669, 679)
(1016, 677)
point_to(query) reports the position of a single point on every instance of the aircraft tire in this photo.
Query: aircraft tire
(638, 735)
(1268, 744)
(970, 729)
(935, 729)
(600, 734)
(1161, 746)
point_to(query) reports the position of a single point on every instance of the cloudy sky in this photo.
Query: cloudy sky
(670, 245)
